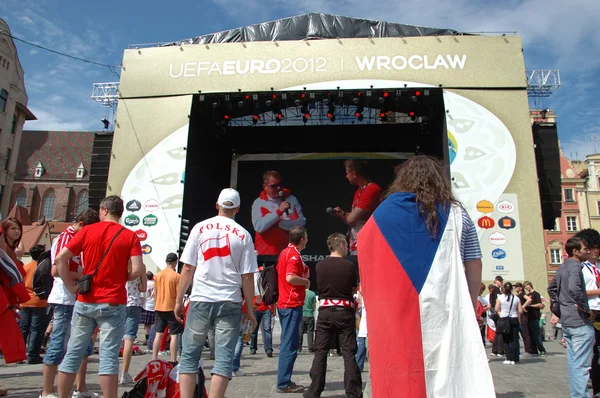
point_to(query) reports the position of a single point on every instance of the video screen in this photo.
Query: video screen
(318, 183)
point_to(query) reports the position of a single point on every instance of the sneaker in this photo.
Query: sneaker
(164, 353)
(125, 379)
(292, 388)
(270, 353)
(252, 352)
(543, 353)
(512, 362)
(86, 394)
(51, 395)
(239, 373)
(35, 360)
(506, 362)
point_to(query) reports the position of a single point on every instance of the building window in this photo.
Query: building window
(557, 224)
(569, 195)
(83, 201)
(3, 99)
(39, 170)
(555, 256)
(13, 127)
(48, 204)
(571, 223)
(7, 160)
(21, 198)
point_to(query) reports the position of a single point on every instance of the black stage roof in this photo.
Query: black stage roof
(315, 26)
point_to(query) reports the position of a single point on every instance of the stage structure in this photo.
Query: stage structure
(218, 110)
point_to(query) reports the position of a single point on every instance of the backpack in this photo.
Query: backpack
(42, 277)
(268, 284)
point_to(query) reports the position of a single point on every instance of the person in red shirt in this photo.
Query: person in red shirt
(293, 280)
(366, 199)
(112, 255)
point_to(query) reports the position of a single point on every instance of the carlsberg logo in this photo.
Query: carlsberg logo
(132, 220)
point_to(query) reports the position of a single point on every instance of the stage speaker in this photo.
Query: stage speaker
(547, 158)
(99, 168)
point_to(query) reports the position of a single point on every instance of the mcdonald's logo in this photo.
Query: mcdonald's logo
(486, 222)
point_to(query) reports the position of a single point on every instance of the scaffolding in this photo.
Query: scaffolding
(106, 94)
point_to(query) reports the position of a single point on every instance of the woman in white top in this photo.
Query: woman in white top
(509, 306)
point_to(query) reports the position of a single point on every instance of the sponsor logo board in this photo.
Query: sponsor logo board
(507, 223)
(133, 205)
(486, 222)
(150, 220)
(132, 220)
(141, 234)
(505, 207)
(497, 238)
(498, 254)
(151, 205)
(485, 206)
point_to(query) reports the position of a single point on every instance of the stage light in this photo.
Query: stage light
(306, 117)
(412, 115)
(383, 116)
(241, 104)
(297, 102)
(414, 95)
(278, 117)
(274, 96)
(418, 93)
(326, 101)
(255, 119)
(247, 97)
(268, 103)
(386, 94)
(105, 122)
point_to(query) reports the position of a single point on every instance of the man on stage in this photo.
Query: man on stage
(274, 213)
(366, 199)
(337, 280)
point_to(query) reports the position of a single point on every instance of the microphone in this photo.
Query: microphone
(329, 210)
(281, 194)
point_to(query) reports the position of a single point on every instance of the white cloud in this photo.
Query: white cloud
(26, 20)
(34, 51)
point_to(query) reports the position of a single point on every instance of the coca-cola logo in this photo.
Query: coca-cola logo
(141, 234)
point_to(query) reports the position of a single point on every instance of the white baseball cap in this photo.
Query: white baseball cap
(229, 195)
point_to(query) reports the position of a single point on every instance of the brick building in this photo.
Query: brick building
(574, 216)
(52, 174)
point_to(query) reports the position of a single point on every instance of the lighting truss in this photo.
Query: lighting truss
(542, 83)
(106, 94)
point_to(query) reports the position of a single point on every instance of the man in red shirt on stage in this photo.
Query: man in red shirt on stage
(111, 254)
(292, 275)
(274, 213)
(366, 199)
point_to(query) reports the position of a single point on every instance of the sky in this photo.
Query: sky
(555, 36)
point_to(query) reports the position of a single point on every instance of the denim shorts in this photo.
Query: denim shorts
(226, 317)
(61, 330)
(111, 321)
(133, 322)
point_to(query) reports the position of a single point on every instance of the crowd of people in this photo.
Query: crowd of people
(411, 241)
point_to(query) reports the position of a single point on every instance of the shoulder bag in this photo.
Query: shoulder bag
(85, 283)
(503, 324)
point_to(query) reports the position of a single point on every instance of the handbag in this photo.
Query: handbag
(494, 315)
(85, 283)
(555, 304)
(503, 324)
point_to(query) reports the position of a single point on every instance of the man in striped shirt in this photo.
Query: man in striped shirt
(63, 302)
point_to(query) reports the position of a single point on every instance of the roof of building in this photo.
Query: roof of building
(21, 214)
(314, 26)
(58, 227)
(59, 152)
(31, 235)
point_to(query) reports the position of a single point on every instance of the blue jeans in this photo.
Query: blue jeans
(226, 317)
(580, 343)
(132, 322)
(61, 330)
(290, 319)
(33, 324)
(361, 353)
(86, 317)
(263, 318)
(237, 355)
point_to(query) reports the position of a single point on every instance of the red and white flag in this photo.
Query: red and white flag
(215, 247)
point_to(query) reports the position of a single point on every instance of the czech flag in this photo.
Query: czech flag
(424, 340)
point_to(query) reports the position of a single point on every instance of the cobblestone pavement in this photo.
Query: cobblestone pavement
(533, 377)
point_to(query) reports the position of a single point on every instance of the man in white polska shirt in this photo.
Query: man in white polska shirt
(219, 258)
